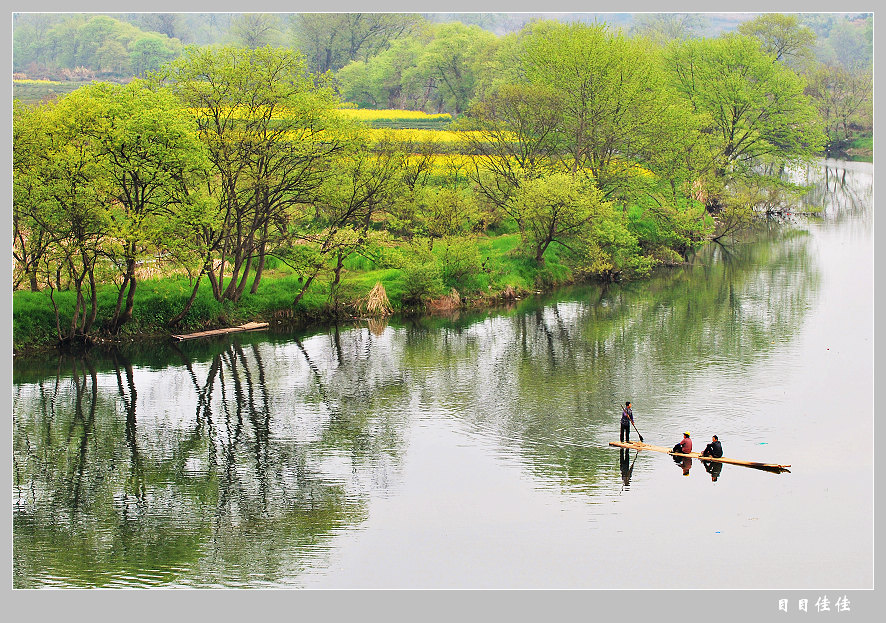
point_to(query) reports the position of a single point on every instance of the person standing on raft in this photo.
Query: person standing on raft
(627, 418)
(684, 446)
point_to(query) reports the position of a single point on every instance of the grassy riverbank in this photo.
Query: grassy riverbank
(861, 149)
(482, 273)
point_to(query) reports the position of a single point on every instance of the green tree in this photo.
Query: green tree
(752, 109)
(451, 62)
(71, 207)
(615, 102)
(148, 53)
(665, 27)
(782, 36)
(270, 133)
(31, 239)
(112, 59)
(256, 30)
(390, 79)
(514, 132)
(365, 181)
(851, 44)
(558, 208)
(150, 155)
(332, 40)
(433, 69)
(843, 99)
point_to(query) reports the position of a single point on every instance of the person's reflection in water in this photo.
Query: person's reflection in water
(627, 466)
(713, 468)
(685, 462)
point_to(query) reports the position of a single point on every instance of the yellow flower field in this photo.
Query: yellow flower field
(392, 115)
(35, 81)
(416, 135)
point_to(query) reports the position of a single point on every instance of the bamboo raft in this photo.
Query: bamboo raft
(249, 326)
(638, 445)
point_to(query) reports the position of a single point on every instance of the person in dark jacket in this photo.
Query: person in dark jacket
(714, 448)
(627, 418)
(685, 445)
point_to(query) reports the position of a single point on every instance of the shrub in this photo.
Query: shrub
(460, 263)
(421, 281)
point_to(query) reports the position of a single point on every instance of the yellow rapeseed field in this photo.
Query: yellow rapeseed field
(35, 81)
(422, 135)
(392, 115)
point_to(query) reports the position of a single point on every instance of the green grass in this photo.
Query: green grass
(861, 149)
(34, 92)
(504, 263)
(864, 142)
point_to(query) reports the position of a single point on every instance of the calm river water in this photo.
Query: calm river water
(472, 452)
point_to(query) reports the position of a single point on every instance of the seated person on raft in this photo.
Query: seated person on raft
(714, 448)
(684, 446)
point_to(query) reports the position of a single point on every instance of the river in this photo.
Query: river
(472, 451)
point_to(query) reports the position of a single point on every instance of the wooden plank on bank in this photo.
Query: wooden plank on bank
(637, 445)
(249, 326)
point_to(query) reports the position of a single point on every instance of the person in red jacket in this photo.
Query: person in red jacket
(685, 445)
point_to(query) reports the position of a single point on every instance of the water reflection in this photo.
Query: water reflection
(626, 465)
(228, 478)
(841, 189)
(239, 462)
(684, 463)
(713, 468)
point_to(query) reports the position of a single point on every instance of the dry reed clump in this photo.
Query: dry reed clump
(446, 303)
(377, 303)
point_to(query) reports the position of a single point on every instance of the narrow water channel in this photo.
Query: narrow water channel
(472, 451)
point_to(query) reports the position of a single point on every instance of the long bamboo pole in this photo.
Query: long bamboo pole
(636, 445)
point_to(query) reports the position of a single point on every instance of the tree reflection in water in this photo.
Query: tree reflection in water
(114, 486)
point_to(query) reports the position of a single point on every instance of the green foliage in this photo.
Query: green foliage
(616, 106)
(590, 155)
(844, 100)
(332, 40)
(660, 224)
(434, 70)
(781, 36)
(755, 113)
(461, 266)
(612, 253)
(271, 132)
(101, 45)
(557, 208)
(421, 281)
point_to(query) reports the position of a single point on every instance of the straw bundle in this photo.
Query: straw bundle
(377, 303)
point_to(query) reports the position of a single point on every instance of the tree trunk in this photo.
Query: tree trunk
(184, 312)
(259, 268)
(242, 285)
(304, 289)
(339, 263)
(93, 300)
(120, 318)
(214, 283)
(540, 252)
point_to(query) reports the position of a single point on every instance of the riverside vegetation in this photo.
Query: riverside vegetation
(234, 184)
